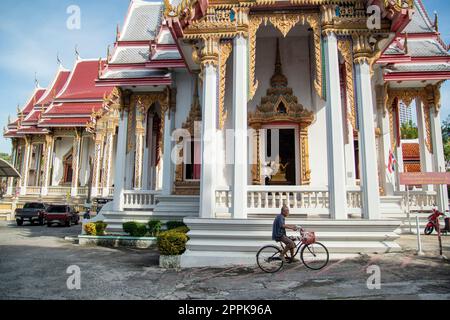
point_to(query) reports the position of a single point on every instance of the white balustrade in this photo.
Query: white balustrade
(111, 192)
(59, 190)
(223, 200)
(82, 191)
(419, 200)
(139, 200)
(354, 200)
(299, 199)
(33, 191)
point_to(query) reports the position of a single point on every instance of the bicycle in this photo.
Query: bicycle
(313, 254)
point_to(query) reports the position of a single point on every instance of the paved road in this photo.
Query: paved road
(34, 261)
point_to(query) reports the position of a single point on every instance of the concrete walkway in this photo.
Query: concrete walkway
(34, 261)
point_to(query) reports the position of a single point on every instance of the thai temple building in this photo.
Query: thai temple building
(220, 112)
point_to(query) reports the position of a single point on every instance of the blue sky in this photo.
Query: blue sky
(33, 32)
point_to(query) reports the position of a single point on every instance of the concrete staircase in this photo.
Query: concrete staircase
(224, 242)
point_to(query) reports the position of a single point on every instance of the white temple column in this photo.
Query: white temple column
(335, 132)
(349, 149)
(367, 147)
(48, 159)
(209, 127)
(26, 166)
(10, 190)
(439, 159)
(108, 154)
(240, 99)
(388, 178)
(76, 162)
(147, 148)
(168, 171)
(98, 152)
(120, 172)
(140, 140)
(426, 160)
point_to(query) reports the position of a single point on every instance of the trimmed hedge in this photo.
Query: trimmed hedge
(135, 229)
(100, 228)
(172, 243)
(154, 227)
(95, 228)
(174, 225)
(90, 229)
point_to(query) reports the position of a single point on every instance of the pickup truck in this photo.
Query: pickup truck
(63, 215)
(32, 212)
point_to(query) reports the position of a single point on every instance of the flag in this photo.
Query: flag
(391, 162)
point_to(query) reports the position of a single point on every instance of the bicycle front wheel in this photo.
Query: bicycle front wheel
(315, 256)
(268, 259)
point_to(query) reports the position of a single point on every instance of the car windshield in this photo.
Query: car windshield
(33, 206)
(57, 209)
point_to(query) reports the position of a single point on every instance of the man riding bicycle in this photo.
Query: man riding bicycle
(279, 233)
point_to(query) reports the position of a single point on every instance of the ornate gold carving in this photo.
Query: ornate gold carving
(280, 105)
(304, 151)
(210, 51)
(284, 23)
(225, 51)
(345, 47)
(429, 96)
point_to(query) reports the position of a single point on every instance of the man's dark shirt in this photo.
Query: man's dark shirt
(278, 230)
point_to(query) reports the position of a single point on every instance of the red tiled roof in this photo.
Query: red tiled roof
(81, 83)
(32, 130)
(411, 151)
(33, 117)
(58, 84)
(37, 94)
(73, 108)
(64, 122)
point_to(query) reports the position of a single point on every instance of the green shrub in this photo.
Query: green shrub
(172, 243)
(174, 224)
(154, 227)
(100, 228)
(183, 229)
(135, 229)
(90, 229)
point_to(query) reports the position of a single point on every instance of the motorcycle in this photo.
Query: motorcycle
(433, 220)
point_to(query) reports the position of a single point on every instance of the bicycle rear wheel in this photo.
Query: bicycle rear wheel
(268, 259)
(315, 256)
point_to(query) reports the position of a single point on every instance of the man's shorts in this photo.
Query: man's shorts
(288, 242)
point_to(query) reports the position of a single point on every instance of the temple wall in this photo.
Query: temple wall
(185, 87)
(86, 154)
(62, 147)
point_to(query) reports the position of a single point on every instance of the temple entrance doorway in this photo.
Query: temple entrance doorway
(281, 156)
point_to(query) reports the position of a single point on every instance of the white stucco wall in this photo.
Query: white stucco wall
(87, 152)
(62, 147)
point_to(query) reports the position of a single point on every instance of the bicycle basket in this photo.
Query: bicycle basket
(309, 238)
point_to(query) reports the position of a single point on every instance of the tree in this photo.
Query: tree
(409, 130)
(446, 138)
(5, 157)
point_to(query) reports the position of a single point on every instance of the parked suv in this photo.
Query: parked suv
(32, 212)
(62, 214)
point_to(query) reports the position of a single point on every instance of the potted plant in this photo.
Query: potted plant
(171, 245)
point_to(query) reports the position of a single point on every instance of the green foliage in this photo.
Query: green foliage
(174, 224)
(5, 157)
(446, 138)
(154, 227)
(182, 229)
(172, 243)
(100, 228)
(409, 131)
(90, 229)
(135, 229)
